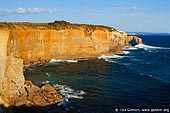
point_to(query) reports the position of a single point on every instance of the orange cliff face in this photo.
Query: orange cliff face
(11, 72)
(4, 35)
(33, 45)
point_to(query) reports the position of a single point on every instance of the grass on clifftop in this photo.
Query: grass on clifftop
(56, 25)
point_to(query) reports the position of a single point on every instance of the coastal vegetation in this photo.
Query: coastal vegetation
(56, 25)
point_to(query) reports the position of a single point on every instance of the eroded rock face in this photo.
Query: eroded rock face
(135, 38)
(17, 93)
(33, 46)
(120, 40)
(38, 96)
(13, 88)
(13, 79)
(4, 36)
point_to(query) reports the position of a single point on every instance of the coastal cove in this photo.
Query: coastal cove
(26, 44)
(136, 80)
(84, 56)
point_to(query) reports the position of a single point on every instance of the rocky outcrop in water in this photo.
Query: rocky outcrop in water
(22, 45)
(37, 96)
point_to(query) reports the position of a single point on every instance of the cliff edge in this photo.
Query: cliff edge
(25, 44)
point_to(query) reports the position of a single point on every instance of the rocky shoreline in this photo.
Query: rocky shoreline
(37, 96)
(22, 45)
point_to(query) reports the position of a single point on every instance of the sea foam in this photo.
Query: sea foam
(110, 58)
(142, 46)
(147, 46)
(67, 93)
(55, 61)
(46, 82)
(106, 57)
(126, 52)
(46, 73)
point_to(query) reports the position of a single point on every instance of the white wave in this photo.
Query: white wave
(130, 48)
(73, 96)
(110, 61)
(141, 73)
(55, 61)
(147, 46)
(126, 52)
(46, 73)
(56, 85)
(64, 101)
(118, 56)
(68, 92)
(143, 46)
(71, 61)
(109, 57)
(46, 82)
(104, 57)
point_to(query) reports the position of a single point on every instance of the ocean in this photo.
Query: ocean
(136, 81)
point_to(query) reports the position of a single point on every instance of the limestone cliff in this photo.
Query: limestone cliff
(38, 45)
(20, 43)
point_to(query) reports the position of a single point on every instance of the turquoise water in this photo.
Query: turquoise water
(136, 80)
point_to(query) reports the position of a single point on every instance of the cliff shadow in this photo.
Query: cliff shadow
(133, 42)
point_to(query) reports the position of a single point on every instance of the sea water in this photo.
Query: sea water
(137, 80)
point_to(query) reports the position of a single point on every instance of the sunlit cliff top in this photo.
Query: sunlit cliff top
(56, 25)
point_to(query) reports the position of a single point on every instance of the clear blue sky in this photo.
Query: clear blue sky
(126, 15)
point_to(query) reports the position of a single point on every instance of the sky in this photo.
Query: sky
(124, 15)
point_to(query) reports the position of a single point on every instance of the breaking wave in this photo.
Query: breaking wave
(141, 65)
(114, 56)
(143, 46)
(126, 52)
(110, 58)
(130, 48)
(46, 82)
(55, 61)
(67, 92)
(48, 74)
(148, 47)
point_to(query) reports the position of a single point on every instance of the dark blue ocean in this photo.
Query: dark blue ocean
(137, 80)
